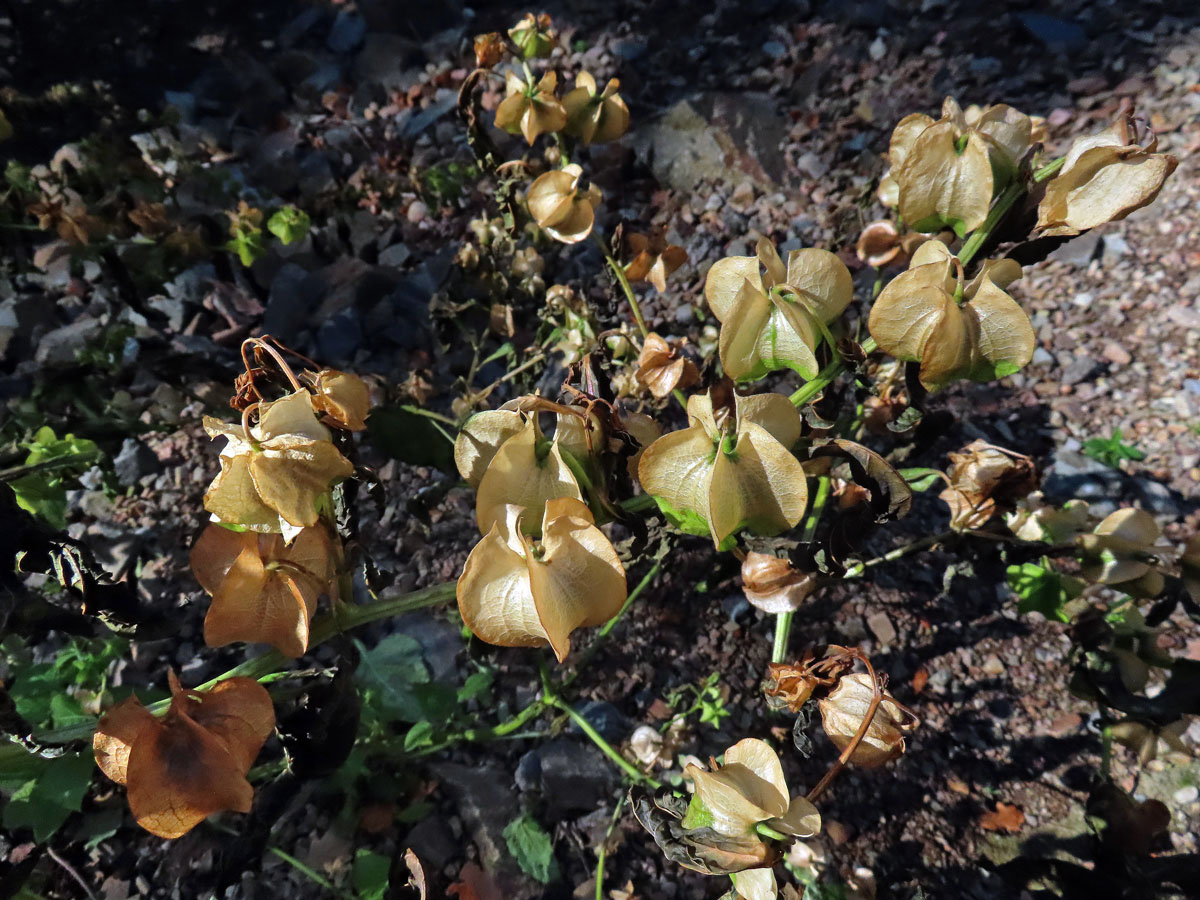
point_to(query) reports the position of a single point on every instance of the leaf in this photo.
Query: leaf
(477, 684)
(920, 479)
(1005, 817)
(891, 495)
(44, 492)
(420, 735)
(370, 874)
(1042, 590)
(410, 438)
(532, 848)
(289, 224)
(389, 673)
(1111, 450)
(44, 803)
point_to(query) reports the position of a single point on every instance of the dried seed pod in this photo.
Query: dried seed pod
(1120, 553)
(1104, 178)
(945, 173)
(489, 49)
(775, 321)
(560, 208)
(1150, 741)
(955, 330)
(774, 585)
(983, 477)
(654, 258)
(517, 592)
(192, 762)
(717, 479)
(843, 711)
(595, 118)
(879, 243)
(343, 397)
(534, 36)
(272, 477)
(662, 367)
(529, 109)
(263, 590)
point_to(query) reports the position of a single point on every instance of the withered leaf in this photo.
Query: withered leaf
(1005, 817)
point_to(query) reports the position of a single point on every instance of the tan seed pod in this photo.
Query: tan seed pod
(773, 584)
(843, 711)
(560, 208)
(662, 367)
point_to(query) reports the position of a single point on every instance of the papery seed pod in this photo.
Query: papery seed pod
(1120, 553)
(773, 584)
(983, 477)
(1104, 178)
(775, 321)
(843, 711)
(879, 244)
(517, 592)
(343, 397)
(489, 49)
(531, 110)
(654, 258)
(190, 763)
(1150, 741)
(662, 367)
(954, 329)
(534, 36)
(595, 117)
(560, 207)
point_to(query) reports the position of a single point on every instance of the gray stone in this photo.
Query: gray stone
(1082, 368)
(575, 776)
(433, 842)
(388, 60)
(347, 32)
(612, 724)
(736, 606)
(294, 294)
(881, 626)
(1114, 247)
(396, 255)
(61, 346)
(340, 336)
(1057, 35)
(1079, 251)
(1158, 498)
(1042, 357)
(134, 462)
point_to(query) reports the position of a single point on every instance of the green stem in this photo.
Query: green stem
(344, 619)
(767, 831)
(603, 852)
(858, 568)
(1008, 197)
(826, 376)
(783, 621)
(619, 272)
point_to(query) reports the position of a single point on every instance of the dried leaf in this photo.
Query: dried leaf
(1005, 817)
(662, 367)
(843, 711)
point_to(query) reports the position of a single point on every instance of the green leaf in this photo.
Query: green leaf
(532, 848)
(249, 247)
(698, 815)
(45, 802)
(1043, 590)
(420, 735)
(476, 685)
(389, 674)
(370, 874)
(410, 438)
(921, 479)
(44, 492)
(1111, 450)
(65, 711)
(289, 224)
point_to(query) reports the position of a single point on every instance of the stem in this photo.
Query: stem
(827, 375)
(550, 698)
(616, 817)
(619, 272)
(767, 831)
(1009, 196)
(844, 756)
(265, 663)
(783, 621)
(858, 568)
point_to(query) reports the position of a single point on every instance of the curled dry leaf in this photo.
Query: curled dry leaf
(716, 478)
(504, 455)
(984, 477)
(843, 711)
(595, 117)
(272, 477)
(517, 592)
(749, 788)
(944, 173)
(662, 367)
(955, 330)
(531, 109)
(560, 207)
(755, 884)
(775, 320)
(192, 762)
(773, 584)
(1104, 178)
(654, 258)
(343, 397)
(1120, 553)
(263, 589)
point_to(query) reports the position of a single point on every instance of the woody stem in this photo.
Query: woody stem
(844, 756)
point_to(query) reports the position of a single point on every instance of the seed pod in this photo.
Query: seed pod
(773, 584)
(843, 711)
